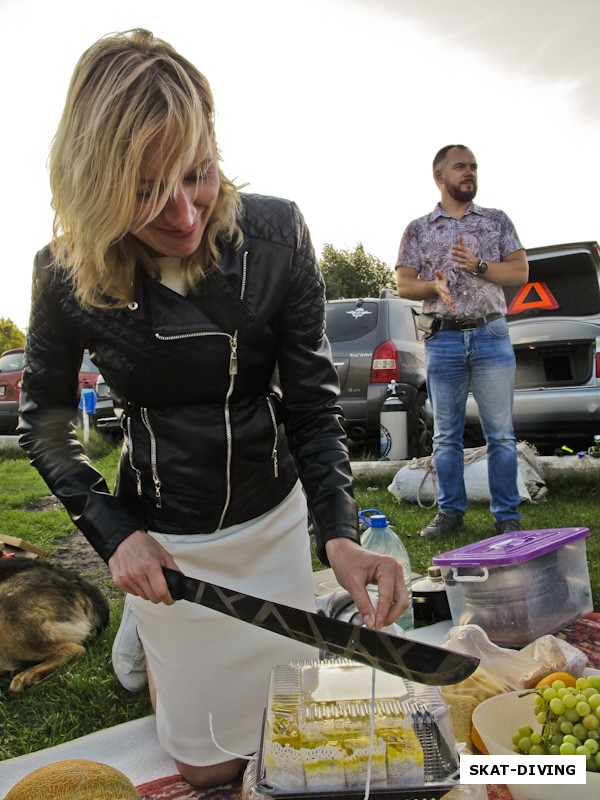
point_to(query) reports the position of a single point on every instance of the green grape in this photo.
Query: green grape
(580, 732)
(582, 709)
(570, 723)
(591, 722)
(566, 726)
(594, 681)
(594, 700)
(567, 749)
(558, 684)
(592, 745)
(557, 707)
(525, 744)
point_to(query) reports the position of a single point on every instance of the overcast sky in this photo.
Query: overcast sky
(337, 104)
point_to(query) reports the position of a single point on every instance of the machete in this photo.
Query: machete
(414, 661)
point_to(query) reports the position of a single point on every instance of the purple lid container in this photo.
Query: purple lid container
(509, 548)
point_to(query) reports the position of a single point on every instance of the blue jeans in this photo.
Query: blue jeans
(484, 361)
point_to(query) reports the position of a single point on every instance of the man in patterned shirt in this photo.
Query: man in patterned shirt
(456, 260)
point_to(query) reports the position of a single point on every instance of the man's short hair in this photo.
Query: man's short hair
(440, 156)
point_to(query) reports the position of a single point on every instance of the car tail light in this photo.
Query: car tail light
(385, 366)
(598, 365)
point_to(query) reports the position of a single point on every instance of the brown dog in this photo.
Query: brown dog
(46, 612)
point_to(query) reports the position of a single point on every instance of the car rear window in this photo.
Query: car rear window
(565, 285)
(11, 362)
(348, 321)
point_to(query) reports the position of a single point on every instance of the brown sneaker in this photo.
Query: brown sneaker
(442, 524)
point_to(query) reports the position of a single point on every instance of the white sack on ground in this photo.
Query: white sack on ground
(416, 482)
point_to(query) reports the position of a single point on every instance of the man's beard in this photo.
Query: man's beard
(461, 195)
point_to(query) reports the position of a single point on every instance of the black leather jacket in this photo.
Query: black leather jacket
(209, 439)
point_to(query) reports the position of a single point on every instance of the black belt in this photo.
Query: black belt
(466, 323)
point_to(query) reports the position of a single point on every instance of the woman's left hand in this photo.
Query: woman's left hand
(355, 568)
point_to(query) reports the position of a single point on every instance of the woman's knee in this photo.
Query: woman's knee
(212, 775)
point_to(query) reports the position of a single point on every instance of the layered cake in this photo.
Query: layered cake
(329, 728)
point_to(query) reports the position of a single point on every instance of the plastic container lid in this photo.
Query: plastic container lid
(510, 548)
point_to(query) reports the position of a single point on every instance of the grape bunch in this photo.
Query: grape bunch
(570, 720)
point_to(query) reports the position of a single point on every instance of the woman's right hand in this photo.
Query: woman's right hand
(136, 567)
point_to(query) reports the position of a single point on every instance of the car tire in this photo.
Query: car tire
(420, 437)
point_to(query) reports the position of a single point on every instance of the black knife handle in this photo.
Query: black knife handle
(175, 582)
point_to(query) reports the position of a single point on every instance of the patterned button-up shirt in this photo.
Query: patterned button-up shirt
(426, 245)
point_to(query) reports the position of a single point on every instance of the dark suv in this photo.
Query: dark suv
(374, 341)
(554, 323)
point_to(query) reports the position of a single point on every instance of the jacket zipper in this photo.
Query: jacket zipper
(233, 370)
(153, 459)
(274, 454)
(138, 473)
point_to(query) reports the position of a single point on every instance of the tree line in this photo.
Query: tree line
(10, 335)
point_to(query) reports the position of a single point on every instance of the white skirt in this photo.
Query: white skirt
(204, 662)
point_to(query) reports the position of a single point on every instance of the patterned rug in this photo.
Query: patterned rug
(584, 634)
(175, 787)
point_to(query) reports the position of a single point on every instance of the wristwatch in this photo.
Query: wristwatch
(481, 268)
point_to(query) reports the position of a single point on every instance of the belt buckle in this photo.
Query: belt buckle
(467, 324)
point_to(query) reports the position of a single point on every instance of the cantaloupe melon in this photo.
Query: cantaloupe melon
(76, 779)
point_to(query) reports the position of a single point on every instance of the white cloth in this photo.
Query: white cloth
(204, 662)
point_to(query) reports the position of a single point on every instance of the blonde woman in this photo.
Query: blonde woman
(204, 310)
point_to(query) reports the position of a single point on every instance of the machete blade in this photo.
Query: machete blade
(414, 661)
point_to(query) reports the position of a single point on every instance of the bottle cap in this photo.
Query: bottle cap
(378, 521)
(434, 572)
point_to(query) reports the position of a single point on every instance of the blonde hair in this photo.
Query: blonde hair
(130, 90)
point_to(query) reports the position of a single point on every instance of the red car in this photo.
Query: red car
(11, 371)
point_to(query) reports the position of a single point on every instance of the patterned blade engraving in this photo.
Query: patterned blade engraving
(415, 661)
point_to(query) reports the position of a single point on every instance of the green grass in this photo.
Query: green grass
(84, 696)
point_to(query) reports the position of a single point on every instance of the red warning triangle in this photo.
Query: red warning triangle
(532, 295)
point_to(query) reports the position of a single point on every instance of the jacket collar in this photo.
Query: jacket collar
(216, 307)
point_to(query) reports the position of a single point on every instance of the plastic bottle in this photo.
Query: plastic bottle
(381, 538)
